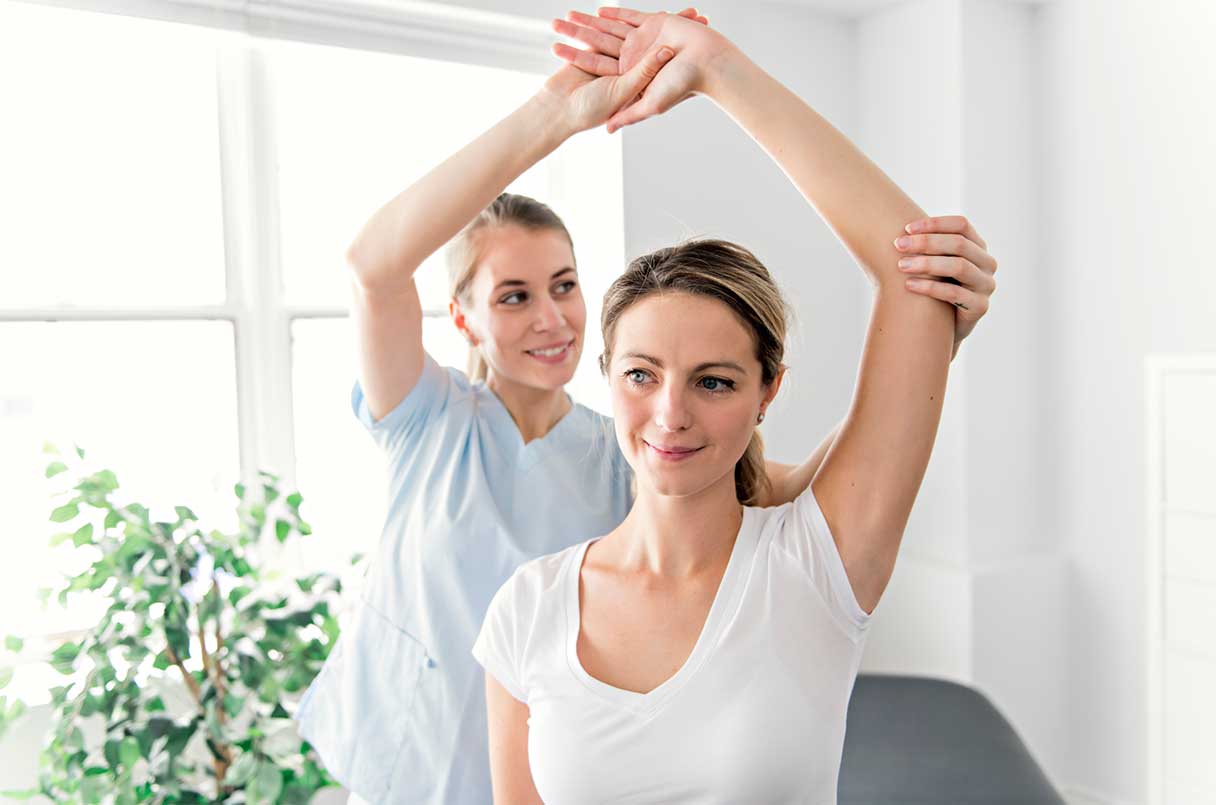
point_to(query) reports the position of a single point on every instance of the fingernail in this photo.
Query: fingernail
(902, 242)
(914, 284)
(904, 262)
(665, 54)
(912, 227)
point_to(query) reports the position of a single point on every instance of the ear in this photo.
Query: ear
(773, 388)
(462, 323)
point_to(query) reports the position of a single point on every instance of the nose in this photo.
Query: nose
(671, 413)
(549, 316)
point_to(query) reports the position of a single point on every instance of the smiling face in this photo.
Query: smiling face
(686, 390)
(524, 307)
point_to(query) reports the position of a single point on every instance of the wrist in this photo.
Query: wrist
(547, 112)
(724, 71)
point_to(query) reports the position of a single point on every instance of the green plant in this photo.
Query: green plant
(184, 691)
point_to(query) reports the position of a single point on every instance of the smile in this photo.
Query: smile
(554, 354)
(672, 453)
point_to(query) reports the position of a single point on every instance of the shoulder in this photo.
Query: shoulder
(541, 576)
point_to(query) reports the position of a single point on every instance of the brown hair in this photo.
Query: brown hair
(464, 250)
(732, 275)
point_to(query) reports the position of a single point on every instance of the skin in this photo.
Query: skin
(645, 587)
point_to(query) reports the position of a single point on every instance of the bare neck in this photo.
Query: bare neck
(676, 537)
(534, 411)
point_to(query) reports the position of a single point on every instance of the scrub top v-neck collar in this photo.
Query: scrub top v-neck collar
(528, 453)
(723, 609)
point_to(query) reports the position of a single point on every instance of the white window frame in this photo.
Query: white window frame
(255, 303)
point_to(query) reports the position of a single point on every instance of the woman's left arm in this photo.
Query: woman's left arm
(870, 476)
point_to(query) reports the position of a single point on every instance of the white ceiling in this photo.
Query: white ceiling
(846, 8)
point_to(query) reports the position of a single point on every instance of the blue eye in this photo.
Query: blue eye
(635, 376)
(717, 384)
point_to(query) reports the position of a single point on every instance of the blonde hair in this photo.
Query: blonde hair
(732, 275)
(465, 249)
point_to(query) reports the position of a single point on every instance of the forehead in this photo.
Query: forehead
(515, 253)
(686, 330)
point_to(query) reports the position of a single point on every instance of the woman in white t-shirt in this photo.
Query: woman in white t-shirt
(705, 649)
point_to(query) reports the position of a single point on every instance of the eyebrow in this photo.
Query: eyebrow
(517, 283)
(700, 367)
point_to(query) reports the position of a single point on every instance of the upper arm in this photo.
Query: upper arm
(510, 774)
(868, 482)
(788, 481)
(388, 332)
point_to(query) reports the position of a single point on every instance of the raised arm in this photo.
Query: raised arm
(869, 478)
(419, 220)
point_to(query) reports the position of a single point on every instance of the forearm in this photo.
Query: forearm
(419, 220)
(855, 198)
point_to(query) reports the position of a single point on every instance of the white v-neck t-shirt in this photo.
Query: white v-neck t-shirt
(756, 713)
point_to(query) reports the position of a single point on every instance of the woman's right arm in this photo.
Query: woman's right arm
(409, 228)
(510, 773)
(406, 230)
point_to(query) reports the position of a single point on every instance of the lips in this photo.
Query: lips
(672, 452)
(552, 353)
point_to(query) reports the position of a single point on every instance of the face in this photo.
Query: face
(686, 390)
(526, 308)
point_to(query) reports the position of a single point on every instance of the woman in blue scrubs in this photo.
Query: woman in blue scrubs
(487, 469)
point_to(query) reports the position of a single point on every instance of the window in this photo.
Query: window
(172, 293)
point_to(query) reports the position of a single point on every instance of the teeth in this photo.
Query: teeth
(549, 353)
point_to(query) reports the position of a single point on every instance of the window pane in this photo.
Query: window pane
(153, 401)
(339, 470)
(354, 129)
(109, 153)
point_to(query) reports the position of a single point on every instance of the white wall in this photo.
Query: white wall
(1128, 166)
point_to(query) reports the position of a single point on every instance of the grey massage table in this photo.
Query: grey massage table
(920, 741)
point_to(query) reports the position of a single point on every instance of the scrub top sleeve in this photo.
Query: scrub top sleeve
(497, 646)
(429, 396)
(806, 538)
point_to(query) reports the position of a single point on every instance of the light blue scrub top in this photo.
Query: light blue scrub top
(398, 712)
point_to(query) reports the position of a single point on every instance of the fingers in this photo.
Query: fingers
(970, 305)
(959, 268)
(628, 15)
(956, 224)
(618, 29)
(606, 44)
(587, 61)
(653, 100)
(957, 245)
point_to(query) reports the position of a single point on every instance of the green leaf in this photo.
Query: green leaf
(113, 518)
(79, 451)
(49, 449)
(107, 480)
(266, 784)
(239, 489)
(270, 493)
(83, 535)
(294, 500)
(60, 538)
(13, 643)
(242, 770)
(65, 512)
(184, 513)
(281, 529)
(54, 468)
(305, 528)
(128, 751)
(6, 676)
(65, 656)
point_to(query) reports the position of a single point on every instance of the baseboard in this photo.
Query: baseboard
(1080, 795)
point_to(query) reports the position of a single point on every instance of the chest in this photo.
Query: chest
(637, 638)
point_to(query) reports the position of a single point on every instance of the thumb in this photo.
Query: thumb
(631, 84)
